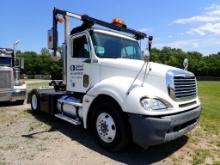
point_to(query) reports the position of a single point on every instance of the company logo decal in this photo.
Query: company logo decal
(76, 68)
(72, 67)
(76, 71)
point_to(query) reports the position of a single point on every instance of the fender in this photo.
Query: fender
(115, 87)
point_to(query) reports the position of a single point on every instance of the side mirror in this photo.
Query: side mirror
(146, 55)
(185, 63)
(50, 41)
(147, 51)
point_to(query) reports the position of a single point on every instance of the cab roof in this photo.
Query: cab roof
(86, 27)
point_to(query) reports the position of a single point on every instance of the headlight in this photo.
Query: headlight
(152, 104)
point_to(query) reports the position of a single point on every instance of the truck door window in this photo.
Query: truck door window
(80, 47)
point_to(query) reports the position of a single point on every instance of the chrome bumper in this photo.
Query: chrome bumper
(12, 95)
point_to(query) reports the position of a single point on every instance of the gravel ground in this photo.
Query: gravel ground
(29, 139)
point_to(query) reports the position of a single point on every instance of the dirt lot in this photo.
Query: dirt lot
(28, 139)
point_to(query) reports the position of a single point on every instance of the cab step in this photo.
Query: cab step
(73, 121)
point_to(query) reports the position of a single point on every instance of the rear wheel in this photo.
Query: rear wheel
(109, 127)
(35, 103)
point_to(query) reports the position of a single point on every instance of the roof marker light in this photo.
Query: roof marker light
(119, 22)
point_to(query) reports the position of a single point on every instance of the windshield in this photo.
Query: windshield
(5, 61)
(108, 46)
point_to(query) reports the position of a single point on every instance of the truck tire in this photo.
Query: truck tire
(109, 127)
(35, 103)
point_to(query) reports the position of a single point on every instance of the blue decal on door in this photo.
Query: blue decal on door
(72, 67)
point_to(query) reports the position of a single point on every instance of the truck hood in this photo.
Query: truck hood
(156, 73)
(133, 66)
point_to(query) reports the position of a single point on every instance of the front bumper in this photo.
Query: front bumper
(148, 131)
(12, 95)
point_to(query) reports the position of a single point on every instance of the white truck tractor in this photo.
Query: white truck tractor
(112, 89)
(12, 89)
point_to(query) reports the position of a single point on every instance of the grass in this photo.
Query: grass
(209, 93)
(216, 163)
(200, 156)
(31, 84)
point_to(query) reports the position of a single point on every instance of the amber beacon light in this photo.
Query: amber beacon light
(59, 19)
(119, 22)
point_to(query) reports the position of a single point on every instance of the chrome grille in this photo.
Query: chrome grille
(181, 84)
(5, 79)
(184, 86)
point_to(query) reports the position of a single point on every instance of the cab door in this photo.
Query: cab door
(78, 64)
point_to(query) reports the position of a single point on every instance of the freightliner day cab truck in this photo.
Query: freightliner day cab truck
(12, 89)
(112, 89)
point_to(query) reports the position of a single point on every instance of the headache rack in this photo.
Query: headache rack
(90, 21)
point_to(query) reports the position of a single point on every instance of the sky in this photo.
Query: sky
(192, 25)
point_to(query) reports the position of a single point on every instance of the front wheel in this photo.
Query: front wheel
(109, 127)
(106, 127)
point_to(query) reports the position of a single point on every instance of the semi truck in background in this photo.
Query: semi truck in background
(12, 88)
(112, 89)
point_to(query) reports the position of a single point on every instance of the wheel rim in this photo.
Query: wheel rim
(34, 102)
(105, 127)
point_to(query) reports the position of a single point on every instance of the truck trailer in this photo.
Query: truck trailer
(12, 89)
(111, 88)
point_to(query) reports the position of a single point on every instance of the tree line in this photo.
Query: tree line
(41, 63)
(200, 65)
